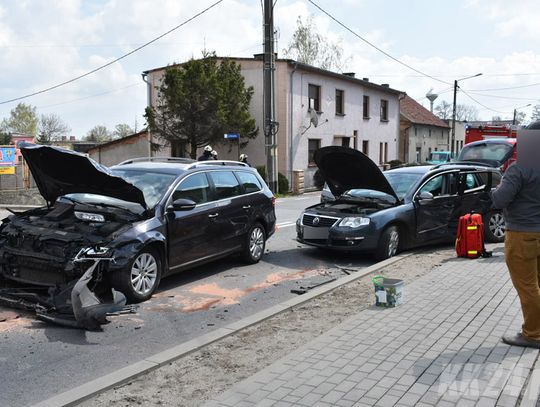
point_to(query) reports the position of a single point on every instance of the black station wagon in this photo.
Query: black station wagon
(383, 213)
(148, 217)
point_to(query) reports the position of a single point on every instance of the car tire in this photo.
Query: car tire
(255, 244)
(494, 227)
(140, 280)
(389, 243)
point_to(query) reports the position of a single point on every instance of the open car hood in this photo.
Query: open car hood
(58, 171)
(345, 168)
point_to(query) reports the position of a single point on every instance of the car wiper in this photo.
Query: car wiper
(97, 204)
(73, 200)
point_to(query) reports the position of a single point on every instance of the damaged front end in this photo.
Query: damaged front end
(83, 303)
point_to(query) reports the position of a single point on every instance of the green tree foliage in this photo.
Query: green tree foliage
(310, 47)
(122, 130)
(5, 139)
(98, 134)
(198, 102)
(22, 119)
(51, 128)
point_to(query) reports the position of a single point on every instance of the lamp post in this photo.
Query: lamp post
(451, 147)
(515, 112)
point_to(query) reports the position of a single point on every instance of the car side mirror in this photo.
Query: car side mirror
(424, 195)
(182, 205)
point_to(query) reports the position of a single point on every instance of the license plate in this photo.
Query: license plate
(315, 233)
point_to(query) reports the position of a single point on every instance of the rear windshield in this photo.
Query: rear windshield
(491, 153)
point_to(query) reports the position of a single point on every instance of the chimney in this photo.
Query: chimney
(351, 74)
(385, 85)
(365, 79)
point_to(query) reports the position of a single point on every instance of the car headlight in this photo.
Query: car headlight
(89, 217)
(354, 222)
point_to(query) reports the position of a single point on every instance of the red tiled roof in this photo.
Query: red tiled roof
(418, 114)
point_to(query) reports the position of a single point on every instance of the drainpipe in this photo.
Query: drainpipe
(148, 103)
(291, 151)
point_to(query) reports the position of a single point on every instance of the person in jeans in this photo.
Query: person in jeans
(518, 195)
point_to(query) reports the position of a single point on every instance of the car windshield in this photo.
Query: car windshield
(492, 153)
(402, 182)
(439, 156)
(153, 186)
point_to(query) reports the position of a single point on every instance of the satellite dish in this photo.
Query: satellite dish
(313, 117)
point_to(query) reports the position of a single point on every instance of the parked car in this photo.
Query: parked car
(150, 217)
(383, 213)
(440, 157)
(494, 152)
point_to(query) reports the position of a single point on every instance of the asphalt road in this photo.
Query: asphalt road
(38, 360)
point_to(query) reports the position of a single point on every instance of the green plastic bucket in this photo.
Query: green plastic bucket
(389, 292)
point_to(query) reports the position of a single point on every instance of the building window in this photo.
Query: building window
(366, 107)
(313, 145)
(314, 94)
(365, 147)
(385, 152)
(384, 110)
(340, 109)
(355, 139)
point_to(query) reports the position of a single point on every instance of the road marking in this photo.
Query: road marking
(285, 225)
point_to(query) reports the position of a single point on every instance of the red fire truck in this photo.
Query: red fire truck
(491, 145)
(477, 133)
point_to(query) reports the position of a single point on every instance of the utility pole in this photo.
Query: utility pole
(270, 124)
(452, 145)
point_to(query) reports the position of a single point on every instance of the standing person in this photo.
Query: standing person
(214, 154)
(518, 195)
(244, 159)
(206, 155)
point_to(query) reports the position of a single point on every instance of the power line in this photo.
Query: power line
(115, 60)
(377, 48)
(481, 104)
(91, 96)
(509, 88)
(500, 97)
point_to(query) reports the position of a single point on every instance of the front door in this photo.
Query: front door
(434, 216)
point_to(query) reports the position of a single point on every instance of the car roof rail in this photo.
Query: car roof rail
(180, 160)
(217, 163)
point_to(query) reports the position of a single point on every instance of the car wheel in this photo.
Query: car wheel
(388, 243)
(494, 227)
(139, 281)
(255, 244)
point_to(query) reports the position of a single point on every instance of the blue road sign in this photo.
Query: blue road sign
(231, 136)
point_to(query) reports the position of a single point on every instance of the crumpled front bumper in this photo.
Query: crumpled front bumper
(84, 303)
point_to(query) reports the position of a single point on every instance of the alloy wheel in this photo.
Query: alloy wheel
(497, 225)
(393, 243)
(144, 273)
(256, 243)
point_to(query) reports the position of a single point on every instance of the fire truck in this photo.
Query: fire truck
(493, 145)
(477, 133)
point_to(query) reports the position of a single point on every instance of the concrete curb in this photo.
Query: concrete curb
(79, 394)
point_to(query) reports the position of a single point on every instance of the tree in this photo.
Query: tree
(535, 115)
(198, 102)
(466, 113)
(444, 110)
(520, 117)
(122, 130)
(98, 134)
(463, 112)
(310, 47)
(5, 139)
(51, 128)
(22, 119)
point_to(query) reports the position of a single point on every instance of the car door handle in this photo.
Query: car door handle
(246, 206)
(213, 215)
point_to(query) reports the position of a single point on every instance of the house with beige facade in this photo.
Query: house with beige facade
(314, 108)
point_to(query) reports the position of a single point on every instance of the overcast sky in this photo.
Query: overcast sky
(46, 42)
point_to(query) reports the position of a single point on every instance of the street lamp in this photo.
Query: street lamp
(515, 112)
(451, 148)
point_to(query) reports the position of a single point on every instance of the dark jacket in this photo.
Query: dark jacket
(518, 195)
(205, 157)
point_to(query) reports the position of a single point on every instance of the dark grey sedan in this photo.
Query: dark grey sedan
(383, 213)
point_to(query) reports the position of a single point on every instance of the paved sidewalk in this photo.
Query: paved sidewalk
(442, 347)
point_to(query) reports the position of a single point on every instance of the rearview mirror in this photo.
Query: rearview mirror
(182, 205)
(424, 195)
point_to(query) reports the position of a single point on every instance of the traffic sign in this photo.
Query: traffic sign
(231, 136)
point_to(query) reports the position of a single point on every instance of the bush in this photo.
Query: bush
(318, 180)
(395, 163)
(283, 184)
